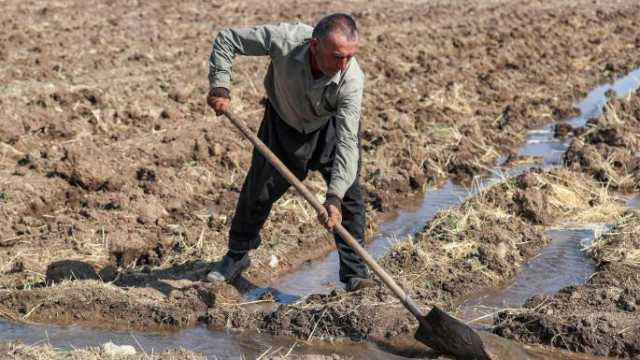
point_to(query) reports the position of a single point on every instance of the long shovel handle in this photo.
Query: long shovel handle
(344, 234)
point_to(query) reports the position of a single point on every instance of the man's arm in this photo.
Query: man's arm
(345, 164)
(252, 41)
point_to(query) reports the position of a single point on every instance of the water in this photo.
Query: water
(213, 345)
(559, 265)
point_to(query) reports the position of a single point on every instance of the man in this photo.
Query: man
(311, 122)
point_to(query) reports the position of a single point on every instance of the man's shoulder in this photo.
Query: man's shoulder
(287, 36)
(354, 73)
(292, 31)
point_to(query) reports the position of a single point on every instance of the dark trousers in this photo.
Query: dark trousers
(264, 185)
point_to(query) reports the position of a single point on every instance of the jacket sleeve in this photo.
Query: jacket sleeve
(252, 41)
(345, 164)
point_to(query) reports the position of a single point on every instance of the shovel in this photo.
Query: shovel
(438, 330)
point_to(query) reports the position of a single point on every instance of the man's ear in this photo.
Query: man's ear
(313, 43)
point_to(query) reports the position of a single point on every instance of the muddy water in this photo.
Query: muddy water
(562, 263)
(562, 256)
(213, 345)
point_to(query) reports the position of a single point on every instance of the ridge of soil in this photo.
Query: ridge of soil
(608, 147)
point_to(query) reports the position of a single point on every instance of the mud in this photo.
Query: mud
(479, 245)
(599, 317)
(608, 147)
(109, 156)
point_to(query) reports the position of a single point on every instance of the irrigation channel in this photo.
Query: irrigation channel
(562, 263)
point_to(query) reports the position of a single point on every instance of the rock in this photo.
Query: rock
(274, 262)
(501, 250)
(112, 349)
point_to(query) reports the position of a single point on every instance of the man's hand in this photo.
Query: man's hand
(219, 100)
(333, 216)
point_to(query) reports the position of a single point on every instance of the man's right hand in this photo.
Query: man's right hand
(219, 100)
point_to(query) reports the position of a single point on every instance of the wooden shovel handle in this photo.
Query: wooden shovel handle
(311, 198)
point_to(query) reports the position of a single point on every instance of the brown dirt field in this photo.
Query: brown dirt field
(479, 245)
(609, 147)
(599, 317)
(109, 156)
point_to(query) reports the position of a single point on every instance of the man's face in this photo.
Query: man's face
(333, 53)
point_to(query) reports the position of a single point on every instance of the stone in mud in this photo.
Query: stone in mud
(69, 270)
(111, 349)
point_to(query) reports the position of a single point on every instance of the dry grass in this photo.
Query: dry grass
(621, 244)
(609, 144)
(578, 200)
(572, 199)
(47, 352)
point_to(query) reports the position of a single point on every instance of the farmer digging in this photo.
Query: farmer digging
(311, 122)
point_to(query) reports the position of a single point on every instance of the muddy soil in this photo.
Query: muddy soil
(480, 244)
(109, 156)
(600, 317)
(43, 352)
(608, 147)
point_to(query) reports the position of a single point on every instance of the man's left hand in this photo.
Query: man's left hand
(333, 217)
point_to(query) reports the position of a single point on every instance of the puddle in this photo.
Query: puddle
(561, 264)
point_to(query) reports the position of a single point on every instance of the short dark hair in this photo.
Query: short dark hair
(336, 22)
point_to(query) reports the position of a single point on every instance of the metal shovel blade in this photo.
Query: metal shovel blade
(448, 335)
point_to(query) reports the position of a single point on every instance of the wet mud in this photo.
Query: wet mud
(599, 317)
(608, 147)
(480, 244)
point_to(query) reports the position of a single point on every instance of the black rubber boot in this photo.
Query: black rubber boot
(228, 268)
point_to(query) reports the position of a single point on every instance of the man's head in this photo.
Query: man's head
(334, 42)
